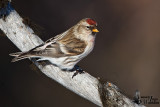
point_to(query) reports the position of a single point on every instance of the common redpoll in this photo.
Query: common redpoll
(67, 49)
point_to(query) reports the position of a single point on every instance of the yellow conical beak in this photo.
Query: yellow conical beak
(95, 30)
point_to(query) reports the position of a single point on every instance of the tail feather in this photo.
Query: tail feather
(19, 56)
(16, 54)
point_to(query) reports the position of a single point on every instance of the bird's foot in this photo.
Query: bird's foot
(78, 70)
(5, 8)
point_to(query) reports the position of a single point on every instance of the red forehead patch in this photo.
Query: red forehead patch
(91, 22)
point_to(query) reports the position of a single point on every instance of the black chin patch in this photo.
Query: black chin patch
(94, 33)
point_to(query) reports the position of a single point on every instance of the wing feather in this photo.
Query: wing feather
(65, 44)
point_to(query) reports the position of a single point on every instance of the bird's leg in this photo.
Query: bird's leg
(78, 70)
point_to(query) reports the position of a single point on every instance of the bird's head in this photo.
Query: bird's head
(86, 27)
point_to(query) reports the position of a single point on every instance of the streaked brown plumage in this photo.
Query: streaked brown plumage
(66, 49)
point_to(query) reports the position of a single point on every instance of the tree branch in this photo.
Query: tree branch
(85, 85)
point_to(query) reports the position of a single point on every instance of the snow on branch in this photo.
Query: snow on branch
(103, 94)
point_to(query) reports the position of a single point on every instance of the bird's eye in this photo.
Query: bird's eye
(88, 27)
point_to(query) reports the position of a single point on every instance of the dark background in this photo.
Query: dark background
(127, 50)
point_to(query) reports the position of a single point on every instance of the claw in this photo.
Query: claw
(78, 70)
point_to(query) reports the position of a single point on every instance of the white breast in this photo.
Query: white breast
(90, 45)
(88, 49)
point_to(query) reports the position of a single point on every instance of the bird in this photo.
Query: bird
(65, 50)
